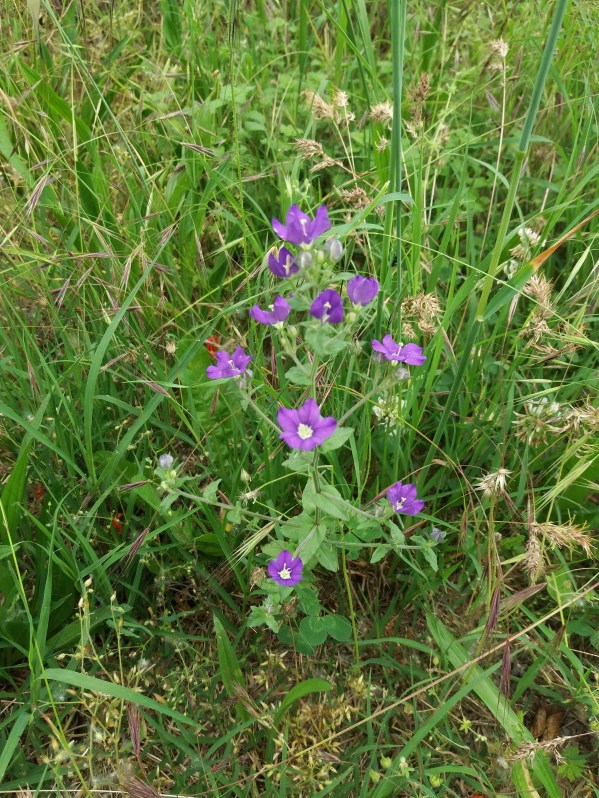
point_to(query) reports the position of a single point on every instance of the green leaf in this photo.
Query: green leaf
(574, 765)
(12, 494)
(299, 462)
(228, 661)
(300, 690)
(379, 553)
(308, 598)
(313, 629)
(10, 745)
(328, 499)
(298, 376)
(322, 343)
(337, 439)
(210, 492)
(261, 617)
(338, 627)
(309, 546)
(327, 556)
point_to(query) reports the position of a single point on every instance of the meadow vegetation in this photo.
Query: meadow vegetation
(354, 555)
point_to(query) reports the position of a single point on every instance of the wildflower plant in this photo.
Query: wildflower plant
(309, 327)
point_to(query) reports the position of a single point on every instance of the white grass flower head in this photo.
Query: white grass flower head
(494, 483)
(388, 410)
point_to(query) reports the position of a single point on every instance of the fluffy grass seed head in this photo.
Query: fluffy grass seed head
(561, 536)
(540, 419)
(319, 107)
(494, 483)
(355, 197)
(423, 309)
(382, 112)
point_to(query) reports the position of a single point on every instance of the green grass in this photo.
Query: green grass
(144, 151)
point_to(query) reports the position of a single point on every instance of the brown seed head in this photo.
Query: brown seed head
(382, 112)
(320, 108)
(309, 148)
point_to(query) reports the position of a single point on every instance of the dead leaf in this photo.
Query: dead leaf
(543, 256)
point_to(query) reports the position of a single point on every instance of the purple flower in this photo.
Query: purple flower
(327, 306)
(285, 570)
(437, 535)
(305, 428)
(229, 365)
(403, 499)
(283, 263)
(275, 317)
(399, 353)
(299, 228)
(362, 290)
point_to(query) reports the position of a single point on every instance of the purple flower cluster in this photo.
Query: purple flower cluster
(304, 428)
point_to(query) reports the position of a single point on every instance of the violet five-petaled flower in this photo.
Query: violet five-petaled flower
(362, 290)
(399, 353)
(299, 228)
(403, 499)
(327, 307)
(229, 365)
(275, 317)
(286, 570)
(283, 263)
(305, 428)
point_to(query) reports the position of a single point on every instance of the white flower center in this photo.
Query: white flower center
(399, 503)
(285, 573)
(304, 431)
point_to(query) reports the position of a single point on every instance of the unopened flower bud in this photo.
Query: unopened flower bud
(304, 260)
(334, 249)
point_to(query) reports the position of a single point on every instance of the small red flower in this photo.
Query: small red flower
(39, 491)
(212, 344)
(117, 523)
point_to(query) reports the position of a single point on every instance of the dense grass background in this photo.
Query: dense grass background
(145, 149)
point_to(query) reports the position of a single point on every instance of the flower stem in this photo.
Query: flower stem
(380, 387)
(350, 600)
(257, 410)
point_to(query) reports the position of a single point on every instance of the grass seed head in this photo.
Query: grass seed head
(494, 483)
(355, 197)
(382, 112)
(320, 108)
(309, 148)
